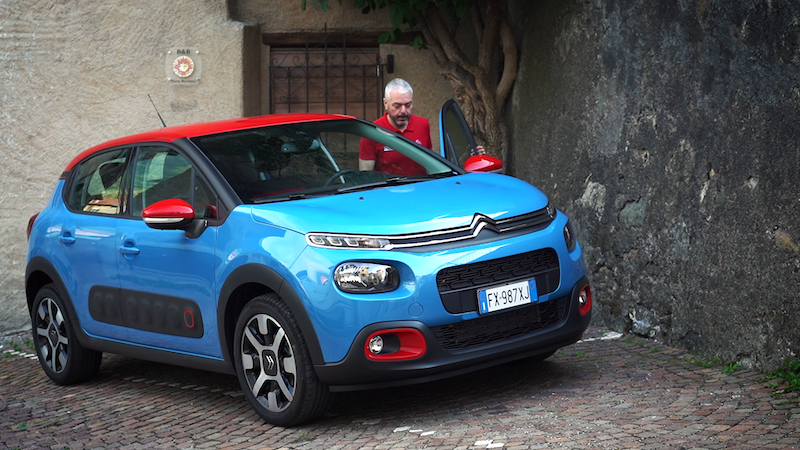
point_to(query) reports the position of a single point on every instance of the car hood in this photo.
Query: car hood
(411, 208)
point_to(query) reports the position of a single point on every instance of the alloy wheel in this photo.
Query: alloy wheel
(51, 332)
(268, 362)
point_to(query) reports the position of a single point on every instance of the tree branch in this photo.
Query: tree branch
(510, 64)
(445, 39)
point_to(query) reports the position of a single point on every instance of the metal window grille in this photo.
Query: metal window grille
(327, 79)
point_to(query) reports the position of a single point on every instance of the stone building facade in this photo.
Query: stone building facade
(77, 73)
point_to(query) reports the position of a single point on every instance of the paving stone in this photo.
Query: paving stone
(623, 393)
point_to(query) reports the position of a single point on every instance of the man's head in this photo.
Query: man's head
(398, 99)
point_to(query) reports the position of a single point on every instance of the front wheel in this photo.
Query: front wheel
(62, 357)
(273, 364)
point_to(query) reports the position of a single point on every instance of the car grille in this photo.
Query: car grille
(458, 285)
(530, 222)
(499, 327)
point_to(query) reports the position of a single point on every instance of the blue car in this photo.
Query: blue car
(256, 247)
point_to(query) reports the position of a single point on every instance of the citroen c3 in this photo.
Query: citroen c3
(256, 247)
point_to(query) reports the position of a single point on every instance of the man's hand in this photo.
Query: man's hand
(479, 150)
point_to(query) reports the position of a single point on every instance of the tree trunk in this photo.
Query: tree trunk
(480, 98)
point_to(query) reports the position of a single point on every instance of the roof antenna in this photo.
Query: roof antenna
(159, 114)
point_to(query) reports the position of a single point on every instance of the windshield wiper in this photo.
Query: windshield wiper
(281, 199)
(394, 181)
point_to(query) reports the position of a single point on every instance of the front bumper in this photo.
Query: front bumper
(509, 337)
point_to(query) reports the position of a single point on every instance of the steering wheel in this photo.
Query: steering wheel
(339, 174)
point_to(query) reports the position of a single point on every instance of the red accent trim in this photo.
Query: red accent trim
(173, 133)
(482, 163)
(30, 225)
(412, 345)
(584, 309)
(190, 317)
(170, 208)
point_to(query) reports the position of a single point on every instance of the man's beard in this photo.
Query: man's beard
(401, 118)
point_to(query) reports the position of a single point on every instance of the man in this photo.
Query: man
(398, 101)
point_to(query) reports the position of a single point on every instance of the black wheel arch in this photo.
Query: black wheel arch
(40, 272)
(250, 281)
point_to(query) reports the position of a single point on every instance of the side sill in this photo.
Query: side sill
(159, 356)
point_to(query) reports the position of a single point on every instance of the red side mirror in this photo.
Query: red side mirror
(168, 214)
(483, 163)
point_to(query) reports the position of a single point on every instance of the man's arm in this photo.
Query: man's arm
(366, 164)
(366, 154)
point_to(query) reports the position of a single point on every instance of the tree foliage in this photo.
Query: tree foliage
(480, 86)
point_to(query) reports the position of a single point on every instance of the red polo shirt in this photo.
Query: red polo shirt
(389, 161)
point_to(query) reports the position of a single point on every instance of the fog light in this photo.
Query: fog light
(395, 344)
(585, 300)
(376, 345)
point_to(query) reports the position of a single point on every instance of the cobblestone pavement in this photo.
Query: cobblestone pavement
(606, 391)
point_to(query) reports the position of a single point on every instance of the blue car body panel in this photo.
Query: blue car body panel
(448, 202)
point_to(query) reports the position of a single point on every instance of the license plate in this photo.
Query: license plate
(507, 296)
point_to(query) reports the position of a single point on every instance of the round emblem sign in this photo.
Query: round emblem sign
(183, 66)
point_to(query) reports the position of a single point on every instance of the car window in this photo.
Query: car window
(95, 186)
(306, 159)
(162, 173)
(456, 135)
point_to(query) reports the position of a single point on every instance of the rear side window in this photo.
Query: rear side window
(96, 186)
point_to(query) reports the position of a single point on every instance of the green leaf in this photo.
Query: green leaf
(385, 37)
(396, 16)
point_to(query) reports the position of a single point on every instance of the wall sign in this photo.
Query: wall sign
(183, 65)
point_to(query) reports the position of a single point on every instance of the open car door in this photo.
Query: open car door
(457, 144)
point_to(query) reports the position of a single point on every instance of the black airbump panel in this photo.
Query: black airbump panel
(146, 311)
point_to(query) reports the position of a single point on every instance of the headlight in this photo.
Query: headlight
(569, 236)
(327, 240)
(551, 210)
(365, 278)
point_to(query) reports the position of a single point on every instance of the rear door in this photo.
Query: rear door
(86, 252)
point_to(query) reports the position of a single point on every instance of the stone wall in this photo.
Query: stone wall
(668, 131)
(74, 74)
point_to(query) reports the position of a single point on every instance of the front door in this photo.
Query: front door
(456, 142)
(166, 279)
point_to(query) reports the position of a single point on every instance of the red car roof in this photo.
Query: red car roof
(173, 133)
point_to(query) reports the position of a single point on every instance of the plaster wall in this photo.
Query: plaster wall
(77, 73)
(668, 131)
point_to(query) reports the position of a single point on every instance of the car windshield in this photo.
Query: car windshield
(302, 160)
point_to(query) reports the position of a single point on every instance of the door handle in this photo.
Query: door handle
(66, 239)
(129, 248)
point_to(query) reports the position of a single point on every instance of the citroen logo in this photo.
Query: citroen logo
(53, 335)
(480, 221)
(269, 362)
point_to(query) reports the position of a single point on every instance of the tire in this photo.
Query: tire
(61, 356)
(273, 364)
